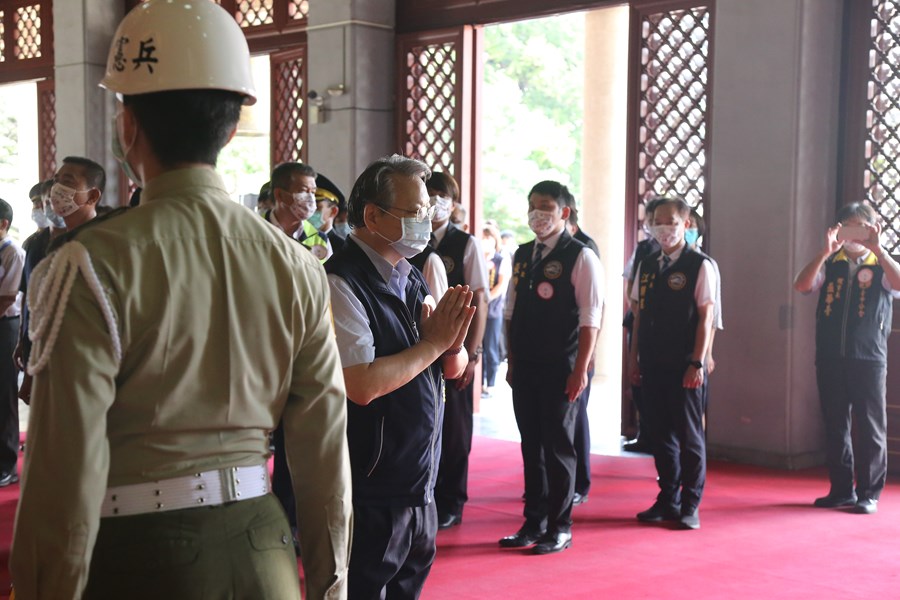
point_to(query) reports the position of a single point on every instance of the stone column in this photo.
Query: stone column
(82, 31)
(603, 204)
(351, 44)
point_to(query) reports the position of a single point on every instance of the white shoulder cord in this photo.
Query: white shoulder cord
(48, 294)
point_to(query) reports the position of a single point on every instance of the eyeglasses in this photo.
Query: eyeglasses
(423, 213)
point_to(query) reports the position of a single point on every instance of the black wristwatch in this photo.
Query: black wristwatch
(696, 363)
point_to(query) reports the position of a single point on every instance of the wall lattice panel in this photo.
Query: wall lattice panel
(881, 174)
(26, 40)
(46, 98)
(673, 104)
(288, 106)
(260, 17)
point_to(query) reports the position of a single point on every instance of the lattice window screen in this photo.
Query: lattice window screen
(672, 135)
(27, 32)
(289, 106)
(271, 15)
(46, 98)
(881, 177)
(26, 40)
(430, 105)
(298, 9)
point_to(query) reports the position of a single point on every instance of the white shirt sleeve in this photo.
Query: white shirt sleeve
(705, 291)
(510, 300)
(589, 282)
(475, 267)
(635, 292)
(356, 344)
(435, 275)
(717, 309)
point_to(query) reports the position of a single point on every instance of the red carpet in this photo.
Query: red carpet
(760, 538)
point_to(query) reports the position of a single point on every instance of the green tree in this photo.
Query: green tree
(533, 113)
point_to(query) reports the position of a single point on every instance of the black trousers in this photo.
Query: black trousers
(546, 421)
(393, 549)
(854, 387)
(676, 428)
(583, 441)
(451, 489)
(282, 486)
(9, 396)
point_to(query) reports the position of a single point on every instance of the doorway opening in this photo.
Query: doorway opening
(554, 100)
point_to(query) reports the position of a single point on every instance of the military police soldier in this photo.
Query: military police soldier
(145, 475)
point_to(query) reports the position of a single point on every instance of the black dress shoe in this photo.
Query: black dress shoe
(835, 501)
(660, 511)
(579, 499)
(8, 479)
(448, 520)
(866, 506)
(522, 538)
(637, 445)
(690, 519)
(552, 543)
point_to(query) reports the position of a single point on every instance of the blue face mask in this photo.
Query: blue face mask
(315, 219)
(342, 229)
(691, 236)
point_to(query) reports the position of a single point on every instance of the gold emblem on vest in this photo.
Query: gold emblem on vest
(553, 269)
(449, 264)
(677, 281)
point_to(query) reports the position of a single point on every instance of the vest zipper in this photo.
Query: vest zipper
(380, 448)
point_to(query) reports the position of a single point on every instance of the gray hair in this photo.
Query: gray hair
(376, 184)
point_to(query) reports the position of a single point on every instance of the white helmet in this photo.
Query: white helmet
(164, 45)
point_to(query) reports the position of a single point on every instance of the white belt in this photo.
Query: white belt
(210, 488)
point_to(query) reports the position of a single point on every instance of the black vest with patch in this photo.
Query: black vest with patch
(853, 316)
(668, 310)
(394, 441)
(544, 324)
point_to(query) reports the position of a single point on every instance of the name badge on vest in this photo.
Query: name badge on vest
(677, 281)
(553, 269)
(864, 276)
(545, 290)
(449, 264)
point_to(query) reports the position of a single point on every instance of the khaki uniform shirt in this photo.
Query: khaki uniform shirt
(225, 327)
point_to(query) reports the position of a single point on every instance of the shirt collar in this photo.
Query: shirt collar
(866, 259)
(550, 243)
(172, 182)
(440, 232)
(674, 256)
(382, 265)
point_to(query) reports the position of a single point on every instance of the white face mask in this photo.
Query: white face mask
(62, 199)
(443, 206)
(304, 205)
(668, 236)
(542, 222)
(40, 219)
(854, 247)
(414, 236)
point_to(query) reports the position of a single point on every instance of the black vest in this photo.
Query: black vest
(853, 317)
(395, 441)
(544, 324)
(453, 250)
(668, 310)
(419, 260)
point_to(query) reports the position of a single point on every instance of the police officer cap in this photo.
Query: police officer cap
(326, 190)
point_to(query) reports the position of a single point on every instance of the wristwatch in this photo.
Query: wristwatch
(696, 363)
